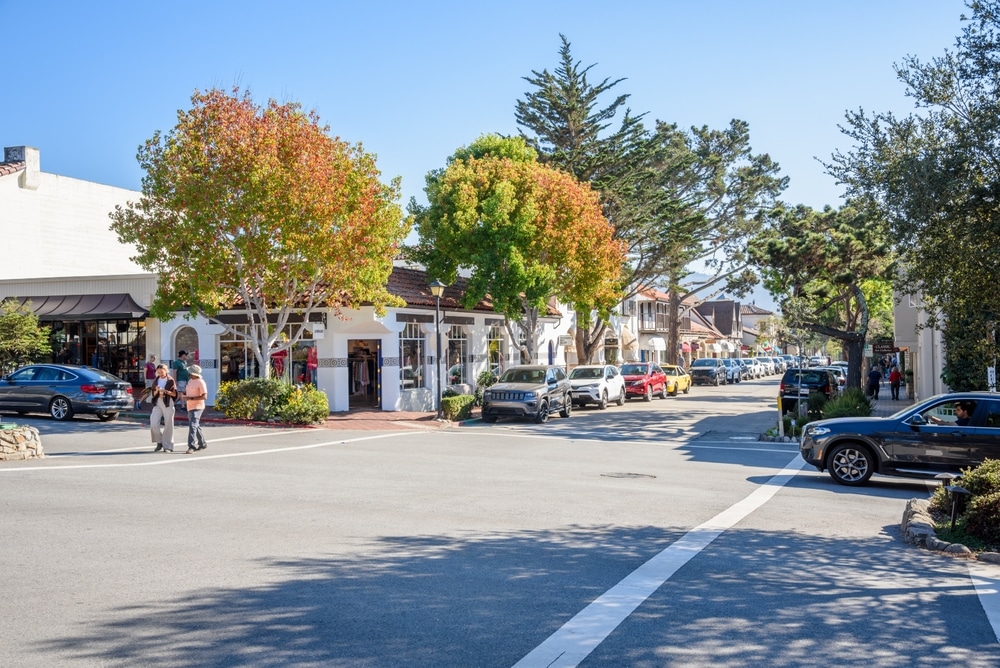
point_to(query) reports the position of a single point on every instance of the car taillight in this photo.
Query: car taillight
(91, 389)
(781, 388)
(128, 389)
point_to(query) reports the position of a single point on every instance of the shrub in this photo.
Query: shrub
(982, 518)
(852, 402)
(252, 399)
(484, 380)
(817, 400)
(458, 407)
(303, 405)
(260, 399)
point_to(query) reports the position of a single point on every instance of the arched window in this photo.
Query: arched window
(186, 339)
(458, 356)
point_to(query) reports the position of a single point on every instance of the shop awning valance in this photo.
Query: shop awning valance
(657, 343)
(685, 347)
(85, 307)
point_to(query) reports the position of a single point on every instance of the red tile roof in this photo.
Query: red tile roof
(753, 309)
(11, 167)
(412, 285)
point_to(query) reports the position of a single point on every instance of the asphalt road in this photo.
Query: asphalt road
(653, 534)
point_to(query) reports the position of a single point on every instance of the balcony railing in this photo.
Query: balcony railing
(653, 323)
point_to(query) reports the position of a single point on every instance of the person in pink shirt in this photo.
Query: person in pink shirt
(195, 393)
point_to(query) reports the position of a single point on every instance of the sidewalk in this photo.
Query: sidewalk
(886, 406)
(357, 420)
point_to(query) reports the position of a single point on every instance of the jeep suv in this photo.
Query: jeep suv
(800, 383)
(534, 391)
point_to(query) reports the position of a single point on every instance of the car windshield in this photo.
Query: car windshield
(587, 372)
(704, 362)
(670, 370)
(523, 376)
(634, 369)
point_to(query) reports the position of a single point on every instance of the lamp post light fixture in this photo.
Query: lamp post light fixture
(437, 289)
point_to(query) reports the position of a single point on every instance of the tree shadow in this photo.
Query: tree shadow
(751, 598)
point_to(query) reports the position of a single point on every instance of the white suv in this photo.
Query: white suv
(597, 384)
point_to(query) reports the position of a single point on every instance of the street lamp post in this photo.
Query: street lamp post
(437, 289)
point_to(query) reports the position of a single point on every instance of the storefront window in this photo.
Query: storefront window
(239, 362)
(116, 346)
(495, 348)
(412, 349)
(458, 355)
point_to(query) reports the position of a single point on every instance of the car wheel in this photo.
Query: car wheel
(717, 383)
(621, 398)
(489, 419)
(543, 413)
(649, 393)
(568, 407)
(674, 393)
(603, 403)
(851, 464)
(106, 417)
(60, 409)
(687, 390)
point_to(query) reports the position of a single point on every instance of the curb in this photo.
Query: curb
(917, 528)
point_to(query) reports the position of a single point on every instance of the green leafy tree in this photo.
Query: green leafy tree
(523, 232)
(257, 208)
(22, 340)
(816, 263)
(934, 175)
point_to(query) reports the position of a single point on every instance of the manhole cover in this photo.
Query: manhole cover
(627, 475)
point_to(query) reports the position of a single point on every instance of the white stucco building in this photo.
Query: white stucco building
(63, 256)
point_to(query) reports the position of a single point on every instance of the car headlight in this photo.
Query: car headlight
(529, 395)
(818, 431)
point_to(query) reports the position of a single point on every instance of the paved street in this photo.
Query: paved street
(653, 534)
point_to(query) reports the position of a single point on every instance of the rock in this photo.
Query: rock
(20, 443)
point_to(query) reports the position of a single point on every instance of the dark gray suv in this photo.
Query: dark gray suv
(532, 391)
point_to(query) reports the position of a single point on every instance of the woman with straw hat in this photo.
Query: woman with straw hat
(195, 393)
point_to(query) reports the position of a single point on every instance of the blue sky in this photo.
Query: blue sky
(86, 83)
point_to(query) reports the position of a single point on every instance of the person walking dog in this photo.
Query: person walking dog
(195, 395)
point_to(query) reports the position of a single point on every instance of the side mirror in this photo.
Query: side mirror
(917, 420)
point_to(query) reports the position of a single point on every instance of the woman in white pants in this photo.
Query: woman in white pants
(163, 398)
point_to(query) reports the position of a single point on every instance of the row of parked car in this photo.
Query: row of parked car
(538, 391)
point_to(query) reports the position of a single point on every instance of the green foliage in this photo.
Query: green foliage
(934, 175)
(458, 407)
(852, 402)
(258, 206)
(22, 340)
(484, 380)
(817, 404)
(981, 518)
(266, 399)
(303, 405)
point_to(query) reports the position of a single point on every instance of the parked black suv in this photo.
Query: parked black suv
(946, 433)
(533, 391)
(800, 383)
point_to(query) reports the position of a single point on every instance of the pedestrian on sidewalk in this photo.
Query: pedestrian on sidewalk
(181, 376)
(163, 398)
(874, 378)
(895, 378)
(150, 373)
(195, 395)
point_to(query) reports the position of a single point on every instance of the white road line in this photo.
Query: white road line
(578, 637)
(986, 579)
(166, 460)
(140, 449)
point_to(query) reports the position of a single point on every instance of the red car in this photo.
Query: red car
(644, 379)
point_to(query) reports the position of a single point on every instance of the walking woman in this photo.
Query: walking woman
(163, 398)
(195, 395)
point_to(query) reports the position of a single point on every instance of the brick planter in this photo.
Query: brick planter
(20, 443)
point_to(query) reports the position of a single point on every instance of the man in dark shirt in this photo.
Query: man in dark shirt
(963, 411)
(874, 379)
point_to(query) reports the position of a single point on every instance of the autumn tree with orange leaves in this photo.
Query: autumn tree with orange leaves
(258, 208)
(524, 232)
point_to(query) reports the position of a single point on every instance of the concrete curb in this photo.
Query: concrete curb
(917, 528)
